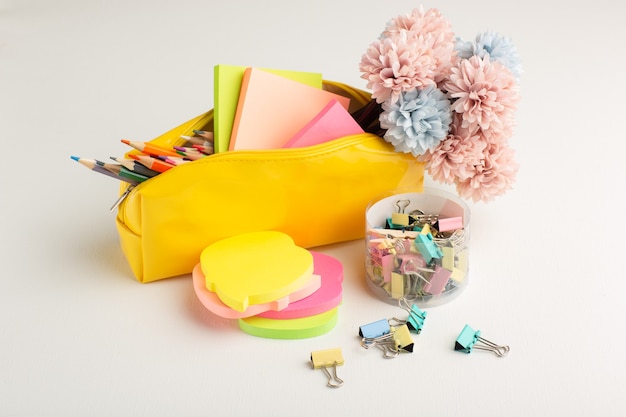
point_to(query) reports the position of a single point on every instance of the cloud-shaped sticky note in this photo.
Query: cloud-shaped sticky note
(212, 302)
(301, 328)
(322, 300)
(255, 268)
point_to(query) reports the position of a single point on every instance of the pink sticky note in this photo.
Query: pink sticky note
(272, 109)
(325, 299)
(333, 122)
(212, 302)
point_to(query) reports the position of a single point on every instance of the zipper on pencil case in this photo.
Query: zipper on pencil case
(277, 154)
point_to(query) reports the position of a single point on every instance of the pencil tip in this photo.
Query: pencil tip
(126, 141)
(75, 158)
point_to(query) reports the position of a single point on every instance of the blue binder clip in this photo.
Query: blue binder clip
(415, 321)
(397, 340)
(375, 329)
(470, 339)
(426, 246)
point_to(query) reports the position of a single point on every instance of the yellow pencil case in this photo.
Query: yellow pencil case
(317, 195)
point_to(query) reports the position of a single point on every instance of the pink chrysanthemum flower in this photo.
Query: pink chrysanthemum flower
(493, 176)
(396, 64)
(484, 92)
(455, 157)
(498, 135)
(434, 30)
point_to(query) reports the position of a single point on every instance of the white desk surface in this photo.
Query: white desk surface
(80, 337)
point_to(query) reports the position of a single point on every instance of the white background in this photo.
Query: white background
(79, 336)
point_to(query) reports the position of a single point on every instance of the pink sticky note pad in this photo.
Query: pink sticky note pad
(322, 300)
(212, 302)
(333, 122)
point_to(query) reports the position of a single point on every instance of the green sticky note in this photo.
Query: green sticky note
(300, 328)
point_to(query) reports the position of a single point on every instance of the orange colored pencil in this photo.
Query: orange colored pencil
(153, 163)
(150, 148)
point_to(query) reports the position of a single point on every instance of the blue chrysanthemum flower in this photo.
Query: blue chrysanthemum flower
(417, 121)
(498, 47)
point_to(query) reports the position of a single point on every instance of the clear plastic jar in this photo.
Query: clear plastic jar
(417, 246)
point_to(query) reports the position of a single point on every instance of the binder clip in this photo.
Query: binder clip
(426, 246)
(449, 224)
(415, 321)
(397, 340)
(470, 339)
(329, 358)
(419, 219)
(399, 219)
(375, 329)
(438, 281)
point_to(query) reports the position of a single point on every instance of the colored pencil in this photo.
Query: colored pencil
(205, 134)
(153, 163)
(195, 140)
(207, 150)
(186, 149)
(192, 154)
(150, 148)
(134, 165)
(114, 168)
(174, 160)
(93, 165)
(122, 171)
(127, 173)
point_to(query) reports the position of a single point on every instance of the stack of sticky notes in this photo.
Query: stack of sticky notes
(273, 288)
(258, 108)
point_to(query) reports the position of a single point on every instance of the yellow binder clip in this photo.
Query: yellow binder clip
(328, 358)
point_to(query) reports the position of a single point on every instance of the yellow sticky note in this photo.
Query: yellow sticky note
(254, 268)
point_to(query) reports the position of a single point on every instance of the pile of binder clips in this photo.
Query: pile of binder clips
(417, 255)
(393, 336)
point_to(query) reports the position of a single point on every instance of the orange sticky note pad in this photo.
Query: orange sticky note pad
(272, 109)
(227, 85)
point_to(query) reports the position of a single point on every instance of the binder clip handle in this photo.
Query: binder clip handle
(385, 343)
(401, 205)
(485, 344)
(333, 380)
